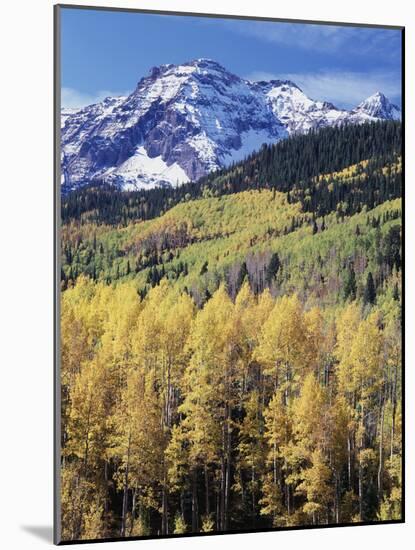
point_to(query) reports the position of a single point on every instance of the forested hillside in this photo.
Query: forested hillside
(231, 349)
(296, 161)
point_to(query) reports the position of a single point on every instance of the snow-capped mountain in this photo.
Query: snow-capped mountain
(295, 110)
(67, 112)
(299, 113)
(378, 106)
(183, 121)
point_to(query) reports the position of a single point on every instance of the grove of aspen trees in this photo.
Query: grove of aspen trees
(231, 360)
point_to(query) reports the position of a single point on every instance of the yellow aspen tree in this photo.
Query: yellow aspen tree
(317, 487)
(277, 435)
(365, 362)
(347, 326)
(150, 356)
(315, 349)
(390, 441)
(176, 316)
(213, 344)
(251, 454)
(137, 448)
(86, 444)
(310, 429)
(116, 342)
(281, 347)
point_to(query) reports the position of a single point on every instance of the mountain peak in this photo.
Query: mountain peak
(201, 63)
(158, 70)
(267, 85)
(289, 83)
(184, 120)
(205, 62)
(377, 97)
(379, 106)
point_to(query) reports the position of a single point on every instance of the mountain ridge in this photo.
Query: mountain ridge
(182, 122)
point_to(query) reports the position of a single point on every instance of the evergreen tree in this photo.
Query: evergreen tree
(369, 295)
(272, 268)
(350, 284)
(204, 268)
(242, 274)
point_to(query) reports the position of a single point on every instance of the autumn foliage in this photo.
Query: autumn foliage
(257, 412)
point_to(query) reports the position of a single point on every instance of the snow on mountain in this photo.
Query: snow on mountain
(140, 167)
(251, 140)
(296, 111)
(193, 117)
(379, 106)
(183, 121)
(78, 124)
(67, 112)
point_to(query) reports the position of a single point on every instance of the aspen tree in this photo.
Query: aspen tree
(277, 434)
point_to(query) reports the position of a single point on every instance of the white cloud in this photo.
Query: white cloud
(316, 37)
(71, 98)
(329, 39)
(344, 89)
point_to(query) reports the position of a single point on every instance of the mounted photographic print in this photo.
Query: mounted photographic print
(229, 274)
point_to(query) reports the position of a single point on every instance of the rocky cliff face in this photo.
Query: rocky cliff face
(183, 121)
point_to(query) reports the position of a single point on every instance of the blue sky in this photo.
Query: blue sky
(106, 53)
